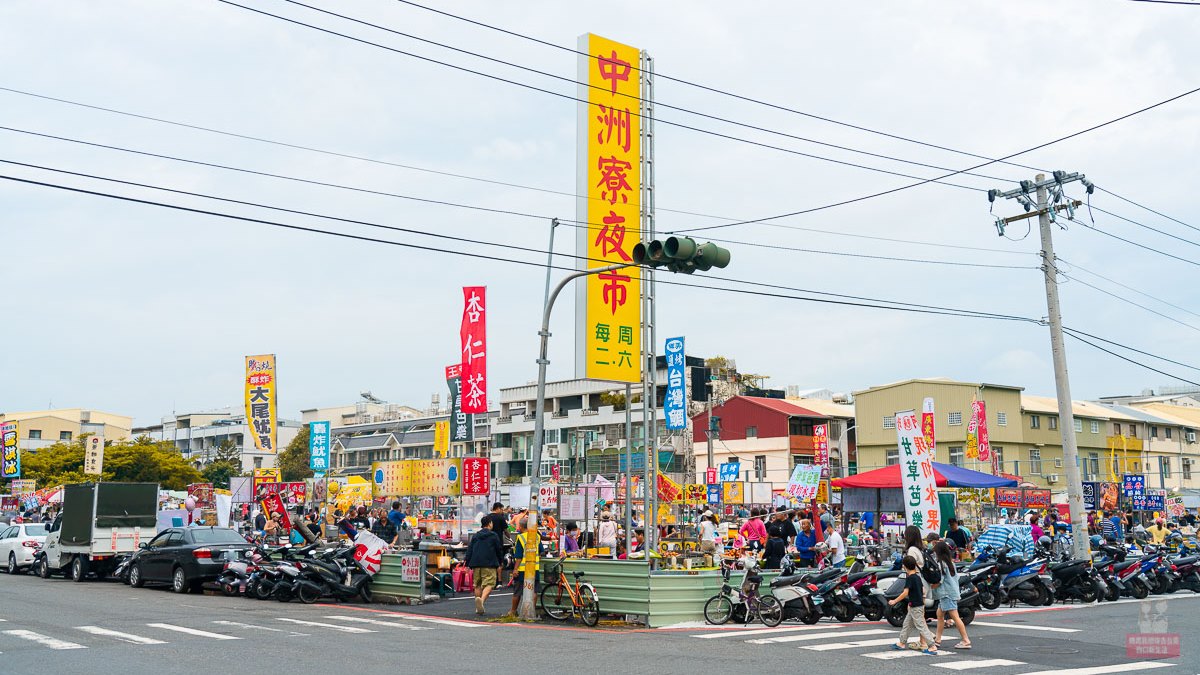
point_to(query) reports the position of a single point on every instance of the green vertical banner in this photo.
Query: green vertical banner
(949, 503)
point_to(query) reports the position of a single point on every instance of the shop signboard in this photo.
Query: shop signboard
(547, 496)
(462, 425)
(1035, 499)
(669, 491)
(391, 479)
(202, 493)
(710, 475)
(572, 507)
(714, 493)
(927, 422)
(694, 493)
(261, 394)
(804, 482)
(441, 438)
(411, 568)
(1008, 498)
(733, 492)
(1153, 500)
(730, 471)
(1091, 491)
(476, 475)
(318, 446)
(821, 448)
(93, 457)
(291, 493)
(675, 400)
(10, 451)
(1133, 485)
(436, 477)
(22, 487)
(922, 507)
(1175, 507)
(270, 475)
(473, 340)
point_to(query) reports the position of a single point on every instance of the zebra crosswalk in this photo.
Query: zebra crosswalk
(13, 636)
(877, 642)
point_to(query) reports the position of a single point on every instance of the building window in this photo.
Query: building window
(889, 422)
(1078, 426)
(258, 462)
(956, 455)
(1095, 464)
(1002, 419)
(64, 435)
(1168, 433)
(954, 419)
(1053, 423)
(1187, 469)
(892, 457)
(1153, 431)
(1132, 431)
(35, 434)
(1116, 428)
(760, 467)
(1035, 461)
(1096, 428)
(752, 432)
(800, 426)
(1035, 421)
(998, 452)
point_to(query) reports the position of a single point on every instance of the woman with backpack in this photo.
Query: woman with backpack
(947, 594)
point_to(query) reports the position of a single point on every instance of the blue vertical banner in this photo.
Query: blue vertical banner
(675, 403)
(318, 446)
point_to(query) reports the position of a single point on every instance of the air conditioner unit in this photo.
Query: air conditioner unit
(1191, 437)
(1052, 478)
(553, 450)
(1058, 463)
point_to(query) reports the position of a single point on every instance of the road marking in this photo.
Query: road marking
(850, 645)
(757, 631)
(331, 626)
(444, 622)
(44, 640)
(376, 622)
(238, 624)
(124, 637)
(193, 631)
(1101, 670)
(1048, 629)
(897, 654)
(820, 636)
(978, 663)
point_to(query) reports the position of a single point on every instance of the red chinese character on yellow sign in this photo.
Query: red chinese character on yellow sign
(612, 239)
(614, 179)
(613, 69)
(615, 293)
(615, 122)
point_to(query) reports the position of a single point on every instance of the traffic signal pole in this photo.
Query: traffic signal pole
(1045, 213)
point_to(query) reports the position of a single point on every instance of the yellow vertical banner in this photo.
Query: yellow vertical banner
(261, 390)
(441, 438)
(610, 172)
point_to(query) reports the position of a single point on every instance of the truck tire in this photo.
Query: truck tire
(43, 569)
(79, 568)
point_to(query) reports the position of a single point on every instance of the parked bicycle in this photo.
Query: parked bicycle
(561, 599)
(744, 600)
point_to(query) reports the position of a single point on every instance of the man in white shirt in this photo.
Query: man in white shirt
(837, 548)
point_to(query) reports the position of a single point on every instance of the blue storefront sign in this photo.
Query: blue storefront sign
(714, 494)
(318, 446)
(729, 471)
(675, 403)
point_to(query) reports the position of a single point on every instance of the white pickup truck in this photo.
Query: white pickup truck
(99, 522)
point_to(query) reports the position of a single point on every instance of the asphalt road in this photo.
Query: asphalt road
(57, 626)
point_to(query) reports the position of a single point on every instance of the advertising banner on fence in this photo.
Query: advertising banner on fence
(804, 482)
(609, 175)
(733, 492)
(270, 475)
(10, 452)
(261, 390)
(24, 487)
(93, 455)
(318, 446)
(476, 476)
(473, 344)
(669, 491)
(462, 425)
(675, 401)
(291, 493)
(203, 494)
(921, 504)
(436, 477)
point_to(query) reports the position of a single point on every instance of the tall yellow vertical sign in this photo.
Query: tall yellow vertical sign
(610, 175)
(261, 388)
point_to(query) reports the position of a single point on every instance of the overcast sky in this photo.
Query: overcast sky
(140, 310)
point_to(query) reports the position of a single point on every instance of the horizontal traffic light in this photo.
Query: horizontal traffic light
(681, 254)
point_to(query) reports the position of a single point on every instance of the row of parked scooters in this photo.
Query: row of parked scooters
(993, 578)
(287, 573)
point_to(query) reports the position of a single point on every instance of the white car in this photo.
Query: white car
(18, 543)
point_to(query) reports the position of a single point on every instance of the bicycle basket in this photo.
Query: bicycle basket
(553, 569)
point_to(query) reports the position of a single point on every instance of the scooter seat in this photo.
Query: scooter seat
(825, 575)
(859, 575)
(1124, 565)
(789, 580)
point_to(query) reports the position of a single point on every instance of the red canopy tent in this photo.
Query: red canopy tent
(945, 475)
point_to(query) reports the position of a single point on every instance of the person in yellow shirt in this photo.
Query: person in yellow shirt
(1158, 532)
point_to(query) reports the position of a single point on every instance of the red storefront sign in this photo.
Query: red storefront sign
(476, 476)
(473, 343)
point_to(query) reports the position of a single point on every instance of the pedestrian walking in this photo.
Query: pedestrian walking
(606, 533)
(947, 595)
(484, 554)
(914, 621)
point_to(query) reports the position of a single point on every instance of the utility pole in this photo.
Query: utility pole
(1046, 214)
(709, 432)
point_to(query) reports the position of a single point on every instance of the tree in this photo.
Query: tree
(293, 461)
(228, 463)
(143, 460)
(617, 399)
(58, 464)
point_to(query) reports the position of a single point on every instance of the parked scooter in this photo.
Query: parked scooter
(334, 574)
(968, 603)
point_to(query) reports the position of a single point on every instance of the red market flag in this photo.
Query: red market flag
(473, 342)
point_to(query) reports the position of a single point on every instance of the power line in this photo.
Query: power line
(1131, 302)
(334, 153)
(1132, 349)
(1126, 358)
(634, 97)
(866, 302)
(569, 97)
(1170, 2)
(346, 235)
(1144, 226)
(1126, 287)
(912, 185)
(1093, 228)
(441, 202)
(1141, 206)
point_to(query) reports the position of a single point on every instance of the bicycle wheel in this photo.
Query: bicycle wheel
(556, 602)
(718, 609)
(770, 611)
(589, 605)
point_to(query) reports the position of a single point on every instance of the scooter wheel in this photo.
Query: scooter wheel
(228, 589)
(873, 612)
(895, 615)
(308, 595)
(811, 618)
(989, 600)
(262, 591)
(1138, 590)
(967, 614)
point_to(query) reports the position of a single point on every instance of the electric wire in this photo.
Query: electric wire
(1142, 206)
(1075, 267)
(1142, 225)
(347, 235)
(334, 153)
(1093, 228)
(1132, 349)
(657, 120)
(442, 202)
(1134, 362)
(1128, 301)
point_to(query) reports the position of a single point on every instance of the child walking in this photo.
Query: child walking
(914, 621)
